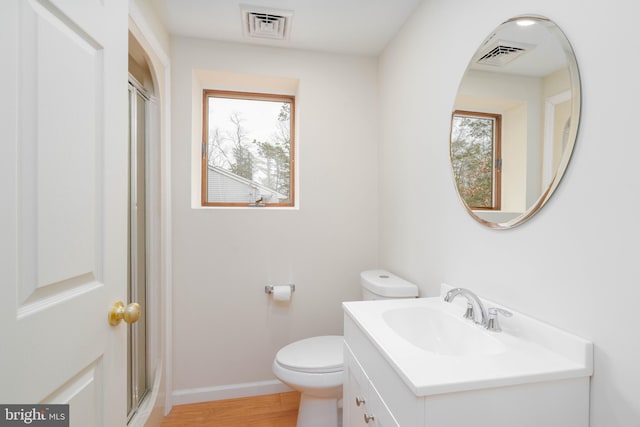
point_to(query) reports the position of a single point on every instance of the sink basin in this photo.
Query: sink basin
(440, 332)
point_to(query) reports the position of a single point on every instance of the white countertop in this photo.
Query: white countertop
(534, 351)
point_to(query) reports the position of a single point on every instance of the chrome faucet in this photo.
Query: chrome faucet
(471, 299)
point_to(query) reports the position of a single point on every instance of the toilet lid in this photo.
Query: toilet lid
(313, 355)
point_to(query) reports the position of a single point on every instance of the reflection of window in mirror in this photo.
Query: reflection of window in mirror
(248, 149)
(476, 159)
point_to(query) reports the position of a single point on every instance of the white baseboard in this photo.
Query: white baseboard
(230, 391)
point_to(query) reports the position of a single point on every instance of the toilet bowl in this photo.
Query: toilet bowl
(314, 366)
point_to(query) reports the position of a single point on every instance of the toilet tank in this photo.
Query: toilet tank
(381, 284)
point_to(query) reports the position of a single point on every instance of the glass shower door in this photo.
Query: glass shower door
(138, 378)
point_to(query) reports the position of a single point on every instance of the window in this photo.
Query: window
(247, 149)
(475, 157)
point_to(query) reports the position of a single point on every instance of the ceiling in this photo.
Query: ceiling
(362, 27)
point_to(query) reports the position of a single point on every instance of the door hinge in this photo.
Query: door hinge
(498, 164)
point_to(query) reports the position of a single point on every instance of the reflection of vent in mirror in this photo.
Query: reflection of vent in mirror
(502, 52)
(266, 23)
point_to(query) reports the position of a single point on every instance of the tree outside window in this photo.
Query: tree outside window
(475, 157)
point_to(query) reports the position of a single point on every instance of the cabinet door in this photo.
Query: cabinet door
(363, 406)
(378, 411)
(353, 406)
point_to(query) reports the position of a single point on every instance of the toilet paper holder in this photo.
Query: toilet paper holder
(268, 289)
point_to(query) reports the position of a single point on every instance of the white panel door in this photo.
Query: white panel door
(63, 192)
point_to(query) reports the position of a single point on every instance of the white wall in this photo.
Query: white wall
(575, 264)
(226, 329)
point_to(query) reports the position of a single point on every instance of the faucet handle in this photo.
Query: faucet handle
(492, 322)
(470, 313)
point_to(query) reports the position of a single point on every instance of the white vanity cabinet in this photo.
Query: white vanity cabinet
(391, 397)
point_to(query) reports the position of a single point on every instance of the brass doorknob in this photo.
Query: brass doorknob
(118, 312)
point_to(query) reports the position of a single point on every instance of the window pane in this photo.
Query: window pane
(472, 157)
(248, 150)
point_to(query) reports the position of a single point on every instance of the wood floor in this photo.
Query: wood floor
(274, 410)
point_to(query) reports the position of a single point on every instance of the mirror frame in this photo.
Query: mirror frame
(576, 104)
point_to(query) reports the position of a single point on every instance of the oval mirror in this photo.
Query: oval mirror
(515, 121)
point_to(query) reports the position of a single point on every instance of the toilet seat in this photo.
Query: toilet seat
(316, 355)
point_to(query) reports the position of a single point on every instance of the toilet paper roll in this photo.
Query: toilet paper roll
(282, 293)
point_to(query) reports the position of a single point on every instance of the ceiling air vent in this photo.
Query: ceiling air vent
(502, 52)
(266, 23)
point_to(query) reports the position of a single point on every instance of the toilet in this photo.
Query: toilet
(314, 366)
